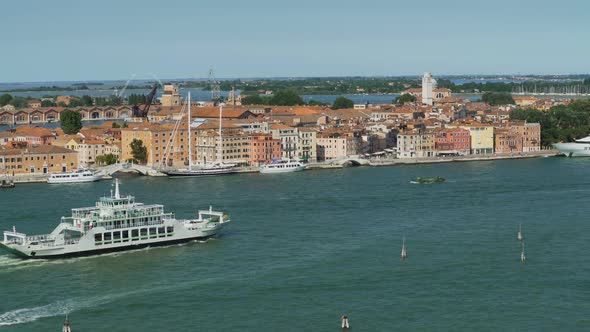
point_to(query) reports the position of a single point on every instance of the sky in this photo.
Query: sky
(62, 40)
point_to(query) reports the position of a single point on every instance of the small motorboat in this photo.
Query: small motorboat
(7, 184)
(420, 180)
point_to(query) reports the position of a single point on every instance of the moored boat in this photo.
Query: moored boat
(115, 223)
(7, 184)
(219, 168)
(282, 167)
(578, 148)
(78, 176)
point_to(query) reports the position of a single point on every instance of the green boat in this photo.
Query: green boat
(420, 180)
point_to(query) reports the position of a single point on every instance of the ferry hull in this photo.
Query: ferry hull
(573, 149)
(200, 173)
(102, 251)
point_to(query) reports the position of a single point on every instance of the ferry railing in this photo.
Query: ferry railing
(136, 224)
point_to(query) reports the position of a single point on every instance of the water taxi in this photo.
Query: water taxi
(115, 223)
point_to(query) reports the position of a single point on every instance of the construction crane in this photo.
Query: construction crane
(215, 89)
(139, 112)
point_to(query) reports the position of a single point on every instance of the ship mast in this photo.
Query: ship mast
(190, 142)
(219, 146)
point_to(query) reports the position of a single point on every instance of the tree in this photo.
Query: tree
(116, 125)
(316, 103)
(286, 98)
(497, 98)
(252, 100)
(342, 102)
(5, 99)
(18, 102)
(71, 121)
(138, 151)
(405, 98)
(87, 100)
(107, 159)
(47, 103)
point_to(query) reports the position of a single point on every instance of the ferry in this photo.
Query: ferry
(115, 223)
(81, 175)
(282, 167)
(578, 148)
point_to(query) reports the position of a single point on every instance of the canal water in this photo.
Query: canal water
(305, 248)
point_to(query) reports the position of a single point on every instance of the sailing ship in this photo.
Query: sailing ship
(218, 168)
(404, 254)
(115, 223)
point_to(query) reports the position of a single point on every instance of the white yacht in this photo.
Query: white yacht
(578, 148)
(115, 223)
(282, 167)
(81, 175)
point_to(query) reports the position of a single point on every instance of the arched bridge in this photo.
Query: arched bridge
(350, 160)
(125, 167)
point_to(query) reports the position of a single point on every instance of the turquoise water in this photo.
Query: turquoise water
(306, 247)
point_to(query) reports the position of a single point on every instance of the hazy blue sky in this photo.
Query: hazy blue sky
(90, 40)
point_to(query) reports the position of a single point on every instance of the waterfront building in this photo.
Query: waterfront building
(264, 148)
(530, 134)
(235, 144)
(507, 140)
(41, 159)
(416, 144)
(289, 138)
(482, 136)
(452, 141)
(335, 145)
(159, 142)
(171, 96)
(307, 144)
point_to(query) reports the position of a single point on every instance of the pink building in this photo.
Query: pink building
(264, 148)
(336, 145)
(452, 141)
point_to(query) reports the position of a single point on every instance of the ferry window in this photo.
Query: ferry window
(107, 236)
(161, 230)
(125, 234)
(143, 231)
(170, 229)
(98, 237)
(134, 232)
(116, 235)
(152, 230)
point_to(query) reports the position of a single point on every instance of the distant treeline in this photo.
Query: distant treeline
(377, 85)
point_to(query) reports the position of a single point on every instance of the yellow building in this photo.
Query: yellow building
(42, 159)
(482, 137)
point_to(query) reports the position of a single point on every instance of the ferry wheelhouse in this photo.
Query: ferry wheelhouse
(116, 223)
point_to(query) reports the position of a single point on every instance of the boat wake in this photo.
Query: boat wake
(27, 315)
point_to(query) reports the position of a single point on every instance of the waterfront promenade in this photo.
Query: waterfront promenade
(108, 171)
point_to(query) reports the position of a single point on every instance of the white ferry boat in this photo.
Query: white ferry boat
(116, 223)
(81, 175)
(578, 148)
(282, 167)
